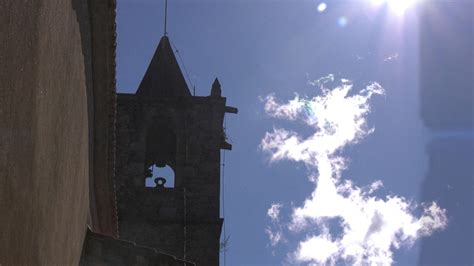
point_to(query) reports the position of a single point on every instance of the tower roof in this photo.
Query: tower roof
(163, 78)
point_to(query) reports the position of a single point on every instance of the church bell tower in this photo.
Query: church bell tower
(163, 125)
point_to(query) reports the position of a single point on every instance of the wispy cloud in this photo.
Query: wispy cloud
(391, 57)
(275, 233)
(371, 227)
(274, 212)
(274, 236)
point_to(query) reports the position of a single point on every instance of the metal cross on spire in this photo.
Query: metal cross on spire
(166, 16)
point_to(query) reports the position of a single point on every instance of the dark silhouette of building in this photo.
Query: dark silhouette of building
(160, 125)
(75, 155)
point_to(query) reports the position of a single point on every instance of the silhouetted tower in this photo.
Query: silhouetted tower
(164, 125)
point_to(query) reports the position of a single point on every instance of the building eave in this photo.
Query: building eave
(103, 43)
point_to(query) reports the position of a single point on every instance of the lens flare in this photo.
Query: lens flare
(322, 7)
(342, 22)
(397, 6)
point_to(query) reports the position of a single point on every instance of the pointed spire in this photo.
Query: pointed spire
(216, 89)
(163, 78)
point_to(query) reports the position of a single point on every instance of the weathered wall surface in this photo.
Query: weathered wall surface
(103, 43)
(44, 160)
(104, 250)
(185, 133)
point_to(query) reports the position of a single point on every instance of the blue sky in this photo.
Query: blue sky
(258, 48)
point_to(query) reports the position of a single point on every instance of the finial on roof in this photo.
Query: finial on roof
(216, 89)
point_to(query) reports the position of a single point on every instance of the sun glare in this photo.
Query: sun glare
(397, 6)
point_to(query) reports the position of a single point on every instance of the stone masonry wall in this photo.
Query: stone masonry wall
(184, 220)
(104, 250)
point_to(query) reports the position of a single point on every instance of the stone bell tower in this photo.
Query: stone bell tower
(162, 124)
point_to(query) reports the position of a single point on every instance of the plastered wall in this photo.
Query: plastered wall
(44, 142)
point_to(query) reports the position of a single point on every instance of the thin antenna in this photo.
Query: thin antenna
(166, 15)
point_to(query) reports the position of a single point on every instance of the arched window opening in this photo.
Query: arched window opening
(160, 146)
(160, 177)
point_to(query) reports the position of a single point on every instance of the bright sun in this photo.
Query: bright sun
(397, 6)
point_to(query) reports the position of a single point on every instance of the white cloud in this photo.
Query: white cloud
(274, 236)
(375, 186)
(274, 232)
(289, 111)
(371, 227)
(322, 243)
(274, 211)
(321, 81)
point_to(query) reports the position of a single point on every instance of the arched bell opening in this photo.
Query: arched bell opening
(160, 157)
(160, 177)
